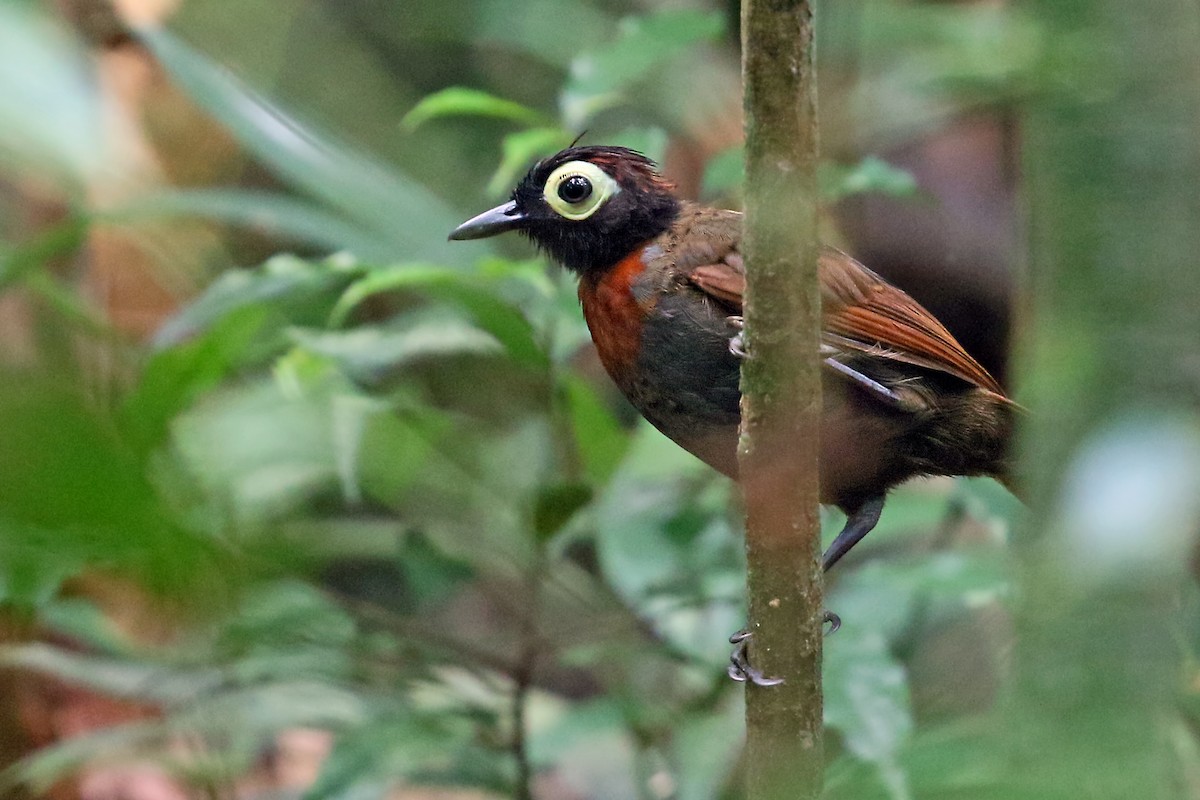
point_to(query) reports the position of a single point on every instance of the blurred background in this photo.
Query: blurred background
(299, 500)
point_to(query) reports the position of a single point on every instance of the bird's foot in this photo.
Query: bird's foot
(740, 668)
(737, 343)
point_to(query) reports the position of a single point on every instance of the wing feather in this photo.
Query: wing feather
(860, 311)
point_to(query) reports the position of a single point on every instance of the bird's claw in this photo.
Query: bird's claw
(740, 668)
(737, 343)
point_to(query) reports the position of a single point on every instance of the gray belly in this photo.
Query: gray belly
(686, 381)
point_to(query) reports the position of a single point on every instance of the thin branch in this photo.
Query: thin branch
(523, 675)
(782, 401)
(524, 785)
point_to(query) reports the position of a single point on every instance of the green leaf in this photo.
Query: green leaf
(39, 771)
(176, 377)
(872, 175)
(406, 276)
(32, 255)
(643, 42)
(393, 746)
(260, 711)
(591, 744)
(955, 761)
(285, 631)
(492, 315)
(372, 353)
(866, 688)
(459, 101)
(521, 149)
(881, 597)
(430, 574)
(599, 437)
(74, 492)
(950, 580)
(867, 700)
(405, 449)
(34, 564)
(284, 217)
(563, 728)
(260, 450)
(350, 415)
(83, 621)
(986, 54)
(125, 678)
(705, 748)
(399, 210)
(71, 309)
(296, 291)
(665, 547)
(556, 505)
(535, 27)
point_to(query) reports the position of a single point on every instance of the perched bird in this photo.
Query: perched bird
(661, 283)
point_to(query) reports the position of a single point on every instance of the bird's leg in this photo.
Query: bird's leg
(889, 397)
(858, 524)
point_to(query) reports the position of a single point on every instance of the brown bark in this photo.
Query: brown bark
(782, 400)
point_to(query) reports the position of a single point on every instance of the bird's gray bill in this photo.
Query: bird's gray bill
(491, 222)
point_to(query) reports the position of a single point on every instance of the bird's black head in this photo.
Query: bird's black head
(588, 207)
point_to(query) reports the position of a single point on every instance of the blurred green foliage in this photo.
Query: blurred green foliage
(372, 488)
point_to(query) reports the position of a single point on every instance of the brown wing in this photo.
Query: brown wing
(861, 311)
(725, 282)
(871, 314)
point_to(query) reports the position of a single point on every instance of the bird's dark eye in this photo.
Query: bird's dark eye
(575, 189)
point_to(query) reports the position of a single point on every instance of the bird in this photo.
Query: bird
(661, 282)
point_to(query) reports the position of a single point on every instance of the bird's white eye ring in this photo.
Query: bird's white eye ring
(576, 189)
